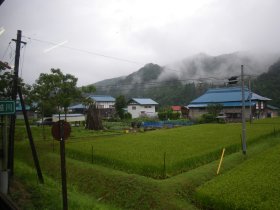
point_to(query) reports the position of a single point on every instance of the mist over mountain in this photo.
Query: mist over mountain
(180, 82)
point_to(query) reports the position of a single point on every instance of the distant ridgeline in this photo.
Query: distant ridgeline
(181, 82)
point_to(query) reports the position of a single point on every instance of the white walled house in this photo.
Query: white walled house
(104, 103)
(142, 107)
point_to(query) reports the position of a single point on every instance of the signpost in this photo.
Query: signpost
(7, 107)
(61, 131)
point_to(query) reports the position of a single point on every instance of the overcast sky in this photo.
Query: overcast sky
(140, 31)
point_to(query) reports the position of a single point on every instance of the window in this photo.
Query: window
(133, 107)
(100, 106)
(148, 106)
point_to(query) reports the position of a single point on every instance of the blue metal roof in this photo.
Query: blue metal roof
(224, 104)
(220, 95)
(100, 98)
(97, 98)
(144, 101)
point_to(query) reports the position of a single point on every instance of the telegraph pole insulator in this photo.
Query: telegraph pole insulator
(232, 80)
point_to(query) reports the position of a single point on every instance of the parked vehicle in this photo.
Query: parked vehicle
(45, 121)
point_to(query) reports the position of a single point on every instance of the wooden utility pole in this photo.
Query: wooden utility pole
(14, 97)
(16, 89)
(243, 114)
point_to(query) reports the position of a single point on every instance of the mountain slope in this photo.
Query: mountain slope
(180, 82)
(268, 84)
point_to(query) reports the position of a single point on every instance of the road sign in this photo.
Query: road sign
(61, 130)
(7, 107)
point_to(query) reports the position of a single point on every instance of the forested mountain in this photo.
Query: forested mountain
(180, 82)
(268, 84)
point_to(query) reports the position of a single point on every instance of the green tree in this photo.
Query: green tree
(214, 109)
(120, 104)
(6, 85)
(55, 90)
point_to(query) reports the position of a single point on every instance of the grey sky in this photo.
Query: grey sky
(158, 31)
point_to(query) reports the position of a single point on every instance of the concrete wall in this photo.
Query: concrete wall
(105, 105)
(141, 110)
(195, 113)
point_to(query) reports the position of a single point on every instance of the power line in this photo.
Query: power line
(95, 53)
(165, 68)
(6, 50)
(22, 60)
(85, 51)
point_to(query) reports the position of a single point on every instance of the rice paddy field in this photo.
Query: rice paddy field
(254, 184)
(162, 169)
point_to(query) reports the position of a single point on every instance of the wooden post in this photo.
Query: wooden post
(92, 154)
(63, 165)
(221, 160)
(164, 165)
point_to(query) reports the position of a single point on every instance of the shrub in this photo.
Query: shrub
(168, 115)
(207, 118)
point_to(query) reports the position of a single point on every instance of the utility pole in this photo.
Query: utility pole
(250, 100)
(16, 89)
(243, 114)
(14, 97)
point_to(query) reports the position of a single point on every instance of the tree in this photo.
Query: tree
(55, 90)
(214, 109)
(93, 120)
(6, 86)
(120, 104)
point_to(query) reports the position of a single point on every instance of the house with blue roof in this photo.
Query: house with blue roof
(104, 103)
(142, 107)
(231, 101)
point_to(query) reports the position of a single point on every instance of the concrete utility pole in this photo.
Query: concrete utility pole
(243, 114)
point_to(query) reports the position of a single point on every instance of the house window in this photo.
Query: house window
(148, 106)
(100, 106)
(133, 107)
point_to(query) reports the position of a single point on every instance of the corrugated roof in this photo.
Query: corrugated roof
(224, 104)
(102, 98)
(219, 95)
(144, 101)
(97, 98)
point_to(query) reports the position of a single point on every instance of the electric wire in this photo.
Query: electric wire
(22, 60)
(114, 57)
(6, 50)
(85, 51)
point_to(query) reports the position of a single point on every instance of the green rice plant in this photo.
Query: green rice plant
(185, 147)
(253, 184)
